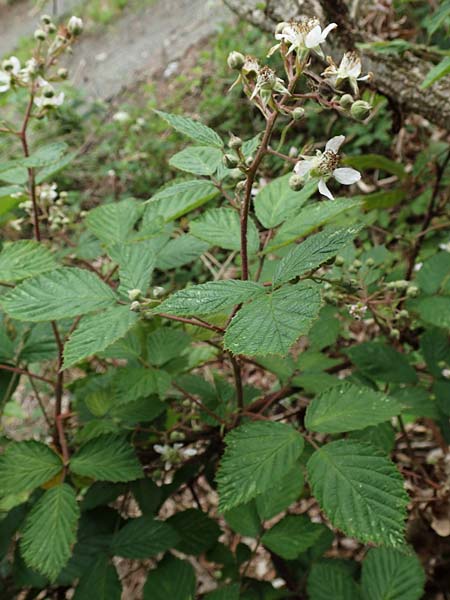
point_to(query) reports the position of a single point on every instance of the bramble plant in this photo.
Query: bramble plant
(244, 418)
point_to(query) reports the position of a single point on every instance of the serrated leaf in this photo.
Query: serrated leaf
(313, 252)
(143, 537)
(61, 294)
(226, 592)
(292, 535)
(199, 160)
(197, 532)
(55, 167)
(101, 577)
(434, 310)
(14, 174)
(113, 223)
(221, 227)
(180, 251)
(136, 263)
(435, 347)
(24, 258)
(96, 333)
(244, 519)
(273, 322)
(381, 436)
(50, 531)
(193, 129)
(176, 200)
(27, 465)
(437, 72)
(165, 344)
(392, 575)
(311, 218)
(360, 491)
(283, 493)
(276, 201)
(382, 363)
(347, 407)
(434, 274)
(140, 382)
(331, 575)
(106, 458)
(209, 298)
(45, 155)
(258, 455)
(173, 578)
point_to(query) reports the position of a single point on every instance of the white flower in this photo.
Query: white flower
(325, 165)
(45, 96)
(266, 83)
(349, 68)
(446, 373)
(445, 247)
(173, 454)
(121, 117)
(303, 36)
(5, 81)
(48, 192)
(29, 70)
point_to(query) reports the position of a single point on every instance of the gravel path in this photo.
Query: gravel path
(134, 46)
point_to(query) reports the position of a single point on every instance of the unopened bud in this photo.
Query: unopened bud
(46, 19)
(236, 174)
(339, 261)
(403, 314)
(370, 262)
(63, 73)
(240, 187)
(7, 65)
(442, 364)
(357, 264)
(157, 291)
(360, 110)
(249, 160)
(177, 436)
(296, 182)
(40, 35)
(236, 60)
(75, 25)
(135, 306)
(230, 161)
(51, 28)
(280, 26)
(346, 101)
(234, 142)
(394, 334)
(412, 291)
(298, 113)
(400, 284)
(134, 294)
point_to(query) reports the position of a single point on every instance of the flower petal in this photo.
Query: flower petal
(159, 449)
(303, 167)
(314, 37)
(15, 63)
(323, 189)
(327, 30)
(346, 175)
(335, 143)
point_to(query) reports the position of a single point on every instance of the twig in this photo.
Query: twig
(25, 372)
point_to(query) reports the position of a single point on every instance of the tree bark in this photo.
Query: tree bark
(398, 77)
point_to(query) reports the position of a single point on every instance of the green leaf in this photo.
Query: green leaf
(331, 575)
(244, 519)
(143, 537)
(434, 310)
(55, 167)
(434, 274)
(282, 495)
(199, 160)
(140, 382)
(61, 294)
(197, 531)
(45, 155)
(385, 198)
(192, 129)
(50, 531)
(27, 465)
(136, 263)
(172, 579)
(382, 363)
(209, 298)
(272, 322)
(313, 252)
(226, 592)
(365, 162)
(14, 174)
(292, 535)
(24, 258)
(113, 223)
(381, 436)
(436, 20)
(180, 251)
(97, 332)
(435, 347)
(276, 201)
(258, 455)
(176, 200)
(309, 219)
(165, 344)
(346, 407)
(221, 227)
(106, 458)
(101, 577)
(392, 575)
(360, 491)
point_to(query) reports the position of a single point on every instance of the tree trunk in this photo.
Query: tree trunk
(396, 76)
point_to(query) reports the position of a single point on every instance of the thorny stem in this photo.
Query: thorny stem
(195, 322)
(25, 372)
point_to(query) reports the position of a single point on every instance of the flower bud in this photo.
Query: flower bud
(236, 174)
(177, 436)
(403, 314)
(230, 161)
(51, 28)
(75, 26)
(234, 142)
(249, 160)
(157, 291)
(135, 306)
(240, 187)
(346, 101)
(46, 19)
(134, 294)
(296, 182)
(412, 291)
(394, 334)
(339, 261)
(235, 60)
(370, 262)
(360, 110)
(40, 35)
(63, 73)
(357, 264)
(7, 65)
(298, 113)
